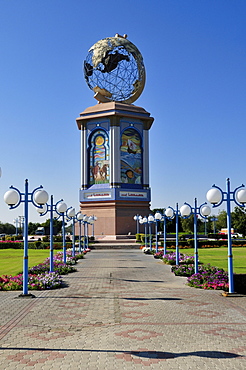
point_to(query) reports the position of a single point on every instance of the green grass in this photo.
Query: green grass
(11, 260)
(218, 257)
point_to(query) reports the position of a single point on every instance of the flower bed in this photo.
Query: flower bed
(170, 258)
(209, 277)
(39, 277)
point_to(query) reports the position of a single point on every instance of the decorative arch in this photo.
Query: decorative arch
(131, 157)
(99, 157)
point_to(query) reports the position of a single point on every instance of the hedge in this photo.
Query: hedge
(32, 245)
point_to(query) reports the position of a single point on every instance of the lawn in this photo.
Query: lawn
(218, 257)
(11, 260)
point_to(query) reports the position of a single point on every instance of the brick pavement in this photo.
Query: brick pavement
(123, 310)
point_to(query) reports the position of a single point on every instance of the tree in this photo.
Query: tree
(7, 228)
(221, 223)
(238, 217)
(188, 224)
(32, 227)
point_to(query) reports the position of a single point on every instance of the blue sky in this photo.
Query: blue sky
(195, 57)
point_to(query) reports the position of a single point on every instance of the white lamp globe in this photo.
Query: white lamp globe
(169, 212)
(151, 218)
(43, 209)
(71, 213)
(145, 220)
(205, 211)
(85, 218)
(91, 220)
(241, 196)
(185, 210)
(214, 196)
(11, 197)
(41, 197)
(61, 207)
(80, 216)
(141, 221)
(158, 216)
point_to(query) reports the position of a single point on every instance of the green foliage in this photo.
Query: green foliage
(138, 237)
(239, 220)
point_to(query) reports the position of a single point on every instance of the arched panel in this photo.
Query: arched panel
(99, 157)
(131, 157)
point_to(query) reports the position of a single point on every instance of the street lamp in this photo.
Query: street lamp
(85, 222)
(216, 197)
(61, 209)
(137, 219)
(158, 217)
(16, 222)
(151, 219)
(214, 219)
(170, 213)
(79, 217)
(204, 211)
(13, 198)
(43, 211)
(94, 219)
(144, 221)
(71, 216)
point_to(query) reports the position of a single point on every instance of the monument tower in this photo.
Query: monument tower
(114, 139)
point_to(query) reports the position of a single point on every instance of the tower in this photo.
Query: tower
(114, 139)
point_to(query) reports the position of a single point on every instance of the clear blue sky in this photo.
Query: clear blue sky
(195, 57)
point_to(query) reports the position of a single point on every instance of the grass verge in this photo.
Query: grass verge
(218, 257)
(11, 260)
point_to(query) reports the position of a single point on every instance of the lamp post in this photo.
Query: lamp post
(85, 221)
(144, 221)
(151, 219)
(79, 217)
(186, 211)
(13, 198)
(137, 219)
(16, 222)
(43, 211)
(216, 196)
(71, 216)
(214, 219)
(21, 223)
(158, 217)
(94, 219)
(170, 213)
(61, 209)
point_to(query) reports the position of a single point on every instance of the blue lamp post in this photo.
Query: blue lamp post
(79, 217)
(137, 219)
(16, 222)
(13, 198)
(216, 196)
(214, 219)
(186, 211)
(144, 221)
(85, 221)
(71, 216)
(61, 209)
(158, 217)
(52, 208)
(170, 213)
(151, 220)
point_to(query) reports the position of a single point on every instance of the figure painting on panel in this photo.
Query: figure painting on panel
(131, 157)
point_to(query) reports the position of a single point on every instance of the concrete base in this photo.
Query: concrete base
(115, 218)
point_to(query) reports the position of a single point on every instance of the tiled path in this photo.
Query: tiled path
(123, 310)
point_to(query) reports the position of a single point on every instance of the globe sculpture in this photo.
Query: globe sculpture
(114, 70)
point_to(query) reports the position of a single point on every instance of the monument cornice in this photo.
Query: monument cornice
(114, 109)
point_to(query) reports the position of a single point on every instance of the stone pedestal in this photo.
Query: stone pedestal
(114, 166)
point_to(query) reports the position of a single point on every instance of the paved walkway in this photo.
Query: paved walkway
(123, 310)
